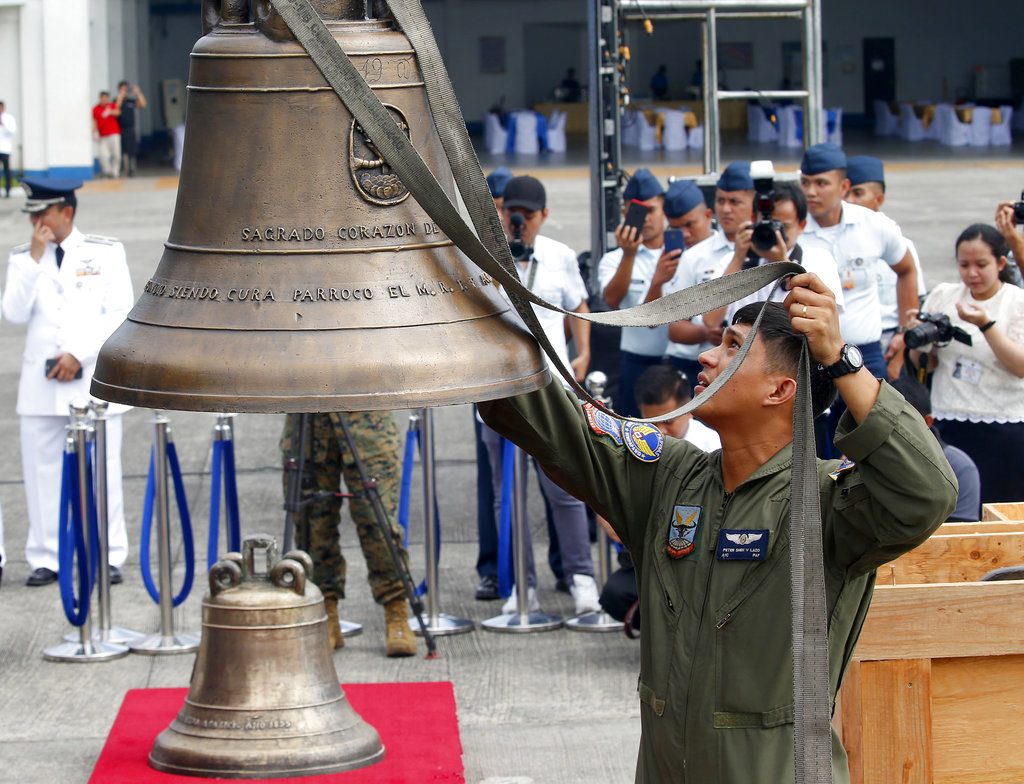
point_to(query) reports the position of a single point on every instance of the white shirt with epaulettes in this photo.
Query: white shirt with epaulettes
(72, 309)
(857, 242)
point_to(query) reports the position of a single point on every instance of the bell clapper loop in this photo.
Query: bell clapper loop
(289, 574)
(303, 558)
(226, 573)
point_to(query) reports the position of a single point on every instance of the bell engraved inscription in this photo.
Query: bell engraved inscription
(264, 699)
(300, 274)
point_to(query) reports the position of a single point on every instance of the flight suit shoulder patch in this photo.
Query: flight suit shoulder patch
(100, 239)
(603, 424)
(644, 441)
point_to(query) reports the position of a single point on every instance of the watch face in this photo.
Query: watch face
(854, 357)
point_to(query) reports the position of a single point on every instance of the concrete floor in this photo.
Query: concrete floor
(554, 708)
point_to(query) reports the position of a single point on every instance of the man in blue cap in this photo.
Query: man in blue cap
(496, 182)
(858, 239)
(73, 290)
(635, 273)
(686, 210)
(734, 207)
(867, 188)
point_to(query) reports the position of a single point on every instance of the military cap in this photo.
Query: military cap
(497, 180)
(681, 197)
(43, 192)
(820, 158)
(736, 177)
(865, 168)
(642, 186)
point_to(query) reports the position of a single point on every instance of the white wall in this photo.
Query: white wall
(10, 72)
(461, 23)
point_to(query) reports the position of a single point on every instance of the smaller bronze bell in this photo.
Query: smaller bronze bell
(264, 700)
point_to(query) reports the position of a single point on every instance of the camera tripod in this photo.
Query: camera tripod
(296, 499)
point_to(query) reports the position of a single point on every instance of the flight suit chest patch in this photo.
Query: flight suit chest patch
(682, 531)
(742, 545)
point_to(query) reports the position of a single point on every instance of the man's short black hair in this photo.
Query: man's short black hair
(783, 345)
(790, 191)
(659, 384)
(915, 393)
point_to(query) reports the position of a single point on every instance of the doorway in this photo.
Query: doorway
(879, 72)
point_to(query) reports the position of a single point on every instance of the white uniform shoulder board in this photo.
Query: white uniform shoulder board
(100, 239)
(21, 248)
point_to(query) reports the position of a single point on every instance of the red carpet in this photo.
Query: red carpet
(416, 722)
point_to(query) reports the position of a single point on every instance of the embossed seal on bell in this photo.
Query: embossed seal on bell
(373, 178)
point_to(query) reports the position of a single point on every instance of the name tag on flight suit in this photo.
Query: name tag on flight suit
(745, 545)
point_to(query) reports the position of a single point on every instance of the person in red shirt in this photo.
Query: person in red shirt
(106, 131)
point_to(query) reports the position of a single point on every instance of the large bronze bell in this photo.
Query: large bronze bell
(300, 274)
(264, 699)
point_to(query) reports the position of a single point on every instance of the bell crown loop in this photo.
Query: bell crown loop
(289, 572)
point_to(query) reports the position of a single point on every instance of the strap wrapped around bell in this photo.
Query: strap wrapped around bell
(264, 699)
(300, 274)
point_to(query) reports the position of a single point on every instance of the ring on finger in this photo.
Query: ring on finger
(804, 311)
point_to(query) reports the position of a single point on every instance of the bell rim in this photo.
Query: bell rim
(265, 772)
(284, 404)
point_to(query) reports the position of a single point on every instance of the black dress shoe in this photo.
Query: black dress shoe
(41, 576)
(487, 589)
(116, 578)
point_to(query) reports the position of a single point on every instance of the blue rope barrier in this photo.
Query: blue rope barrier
(186, 527)
(412, 438)
(231, 498)
(214, 534)
(71, 547)
(506, 578)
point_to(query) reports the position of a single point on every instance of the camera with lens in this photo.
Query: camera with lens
(934, 328)
(517, 246)
(1018, 210)
(763, 175)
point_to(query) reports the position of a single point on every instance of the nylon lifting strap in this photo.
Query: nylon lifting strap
(490, 252)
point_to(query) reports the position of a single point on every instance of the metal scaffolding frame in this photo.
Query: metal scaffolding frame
(606, 66)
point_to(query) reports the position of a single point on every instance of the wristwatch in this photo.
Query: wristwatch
(850, 361)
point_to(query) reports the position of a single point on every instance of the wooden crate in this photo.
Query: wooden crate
(935, 694)
(1007, 511)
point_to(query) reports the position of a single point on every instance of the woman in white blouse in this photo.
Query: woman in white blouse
(978, 390)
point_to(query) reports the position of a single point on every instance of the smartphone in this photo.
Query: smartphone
(636, 214)
(673, 240)
(50, 363)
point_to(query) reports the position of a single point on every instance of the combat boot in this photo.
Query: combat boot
(400, 639)
(334, 634)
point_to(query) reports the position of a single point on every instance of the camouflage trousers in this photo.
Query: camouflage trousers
(328, 459)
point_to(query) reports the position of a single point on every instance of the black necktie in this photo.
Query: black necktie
(60, 255)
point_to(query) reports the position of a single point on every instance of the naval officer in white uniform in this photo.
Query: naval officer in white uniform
(72, 290)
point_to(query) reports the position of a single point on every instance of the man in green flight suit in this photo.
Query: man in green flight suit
(709, 533)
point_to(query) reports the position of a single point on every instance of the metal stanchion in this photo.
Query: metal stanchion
(598, 621)
(438, 623)
(522, 621)
(106, 631)
(86, 647)
(166, 641)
